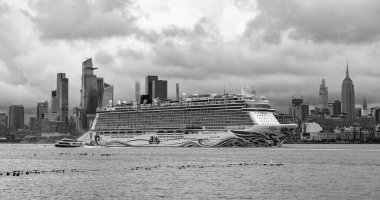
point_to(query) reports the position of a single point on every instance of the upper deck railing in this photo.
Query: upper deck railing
(249, 102)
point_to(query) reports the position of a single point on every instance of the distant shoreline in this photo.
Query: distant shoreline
(331, 142)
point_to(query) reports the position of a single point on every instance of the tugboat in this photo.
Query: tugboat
(67, 142)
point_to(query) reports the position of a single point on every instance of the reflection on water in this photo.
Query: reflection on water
(308, 172)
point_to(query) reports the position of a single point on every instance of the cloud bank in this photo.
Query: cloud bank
(280, 48)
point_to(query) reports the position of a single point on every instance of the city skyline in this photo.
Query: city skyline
(238, 43)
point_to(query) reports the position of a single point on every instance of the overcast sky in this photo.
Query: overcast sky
(279, 48)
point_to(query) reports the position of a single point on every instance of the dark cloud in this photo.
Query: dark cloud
(110, 6)
(204, 59)
(103, 57)
(130, 53)
(4, 7)
(320, 21)
(66, 19)
(13, 43)
(285, 51)
(202, 29)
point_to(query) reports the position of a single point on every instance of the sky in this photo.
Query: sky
(280, 49)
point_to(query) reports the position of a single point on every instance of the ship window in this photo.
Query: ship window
(258, 106)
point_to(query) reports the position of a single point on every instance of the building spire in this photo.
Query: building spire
(347, 72)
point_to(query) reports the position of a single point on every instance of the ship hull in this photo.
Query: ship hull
(256, 136)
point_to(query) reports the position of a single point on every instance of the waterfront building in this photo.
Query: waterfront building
(54, 101)
(330, 124)
(348, 96)
(148, 84)
(310, 131)
(16, 117)
(323, 95)
(42, 108)
(63, 97)
(34, 124)
(337, 108)
(54, 126)
(3, 120)
(160, 89)
(107, 95)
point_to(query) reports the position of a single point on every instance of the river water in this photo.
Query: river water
(310, 171)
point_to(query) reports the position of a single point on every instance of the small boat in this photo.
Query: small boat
(67, 142)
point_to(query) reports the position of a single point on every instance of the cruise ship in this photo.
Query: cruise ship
(230, 120)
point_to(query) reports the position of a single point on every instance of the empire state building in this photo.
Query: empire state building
(348, 96)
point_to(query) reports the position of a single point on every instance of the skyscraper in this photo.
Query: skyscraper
(297, 110)
(3, 120)
(348, 96)
(54, 101)
(148, 84)
(107, 94)
(160, 89)
(137, 92)
(304, 111)
(42, 108)
(100, 82)
(156, 88)
(323, 95)
(89, 92)
(93, 93)
(377, 114)
(177, 92)
(365, 108)
(63, 97)
(297, 101)
(16, 117)
(337, 108)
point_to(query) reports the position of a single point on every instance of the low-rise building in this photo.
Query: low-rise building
(310, 131)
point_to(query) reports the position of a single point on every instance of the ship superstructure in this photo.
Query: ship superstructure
(198, 120)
